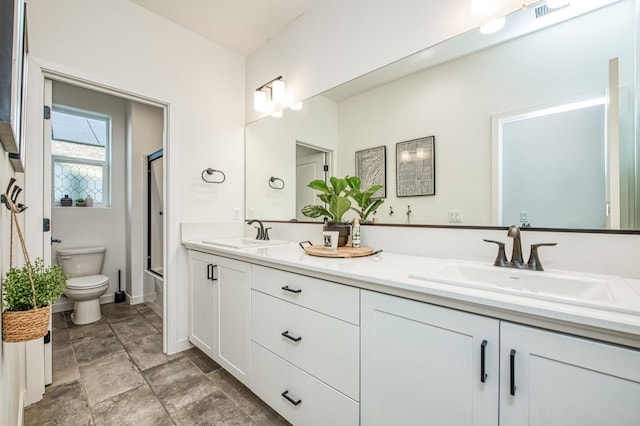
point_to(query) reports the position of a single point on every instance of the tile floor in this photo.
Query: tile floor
(113, 372)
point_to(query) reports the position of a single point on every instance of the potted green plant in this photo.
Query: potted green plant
(336, 203)
(80, 202)
(366, 204)
(28, 293)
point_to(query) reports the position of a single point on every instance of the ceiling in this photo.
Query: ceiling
(240, 25)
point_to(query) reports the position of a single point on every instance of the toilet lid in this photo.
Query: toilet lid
(90, 281)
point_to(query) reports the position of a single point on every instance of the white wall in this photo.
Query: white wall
(337, 41)
(12, 355)
(118, 44)
(96, 226)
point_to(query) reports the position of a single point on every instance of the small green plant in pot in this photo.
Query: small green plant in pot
(335, 197)
(28, 293)
(362, 197)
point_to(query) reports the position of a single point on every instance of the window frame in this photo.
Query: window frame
(106, 164)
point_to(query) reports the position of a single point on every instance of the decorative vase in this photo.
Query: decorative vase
(343, 229)
(89, 201)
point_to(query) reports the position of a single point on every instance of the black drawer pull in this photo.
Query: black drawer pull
(512, 369)
(288, 398)
(292, 290)
(209, 271)
(483, 374)
(295, 339)
(214, 274)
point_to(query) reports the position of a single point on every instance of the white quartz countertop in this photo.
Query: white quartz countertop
(389, 273)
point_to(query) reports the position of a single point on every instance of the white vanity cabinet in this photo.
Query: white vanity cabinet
(220, 311)
(553, 379)
(424, 364)
(305, 354)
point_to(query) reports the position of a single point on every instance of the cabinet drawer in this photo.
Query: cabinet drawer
(319, 404)
(323, 346)
(333, 299)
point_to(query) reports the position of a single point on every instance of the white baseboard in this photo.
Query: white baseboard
(135, 299)
(183, 345)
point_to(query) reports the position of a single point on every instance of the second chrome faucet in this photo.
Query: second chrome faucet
(517, 260)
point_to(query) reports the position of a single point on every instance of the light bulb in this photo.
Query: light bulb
(260, 101)
(297, 106)
(420, 152)
(277, 114)
(278, 94)
(405, 155)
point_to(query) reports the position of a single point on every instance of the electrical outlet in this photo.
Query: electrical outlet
(524, 216)
(236, 213)
(455, 216)
(251, 213)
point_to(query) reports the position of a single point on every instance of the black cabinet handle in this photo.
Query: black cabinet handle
(512, 369)
(214, 268)
(292, 290)
(483, 374)
(209, 271)
(288, 398)
(295, 339)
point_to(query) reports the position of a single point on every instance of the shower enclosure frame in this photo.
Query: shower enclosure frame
(150, 159)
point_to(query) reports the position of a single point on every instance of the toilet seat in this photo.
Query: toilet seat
(88, 282)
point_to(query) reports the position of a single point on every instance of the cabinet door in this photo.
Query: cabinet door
(553, 379)
(201, 301)
(233, 316)
(422, 364)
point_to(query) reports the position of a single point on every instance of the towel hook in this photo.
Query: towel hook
(211, 171)
(273, 179)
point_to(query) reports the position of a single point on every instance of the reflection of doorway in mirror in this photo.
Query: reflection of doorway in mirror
(310, 165)
(552, 165)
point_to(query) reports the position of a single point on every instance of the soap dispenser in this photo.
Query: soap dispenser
(355, 233)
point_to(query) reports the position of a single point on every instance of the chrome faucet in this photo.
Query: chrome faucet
(263, 233)
(517, 261)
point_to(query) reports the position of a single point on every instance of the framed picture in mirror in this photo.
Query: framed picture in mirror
(371, 168)
(416, 167)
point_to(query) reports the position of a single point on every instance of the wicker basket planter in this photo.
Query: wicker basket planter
(21, 326)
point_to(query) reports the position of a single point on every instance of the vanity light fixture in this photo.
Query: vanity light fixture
(420, 152)
(272, 92)
(405, 155)
(277, 114)
(297, 106)
(493, 26)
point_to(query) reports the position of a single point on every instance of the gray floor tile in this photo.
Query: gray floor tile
(108, 376)
(66, 368)
(133, 329)
(178, 384)
(247, 401)
(58, 321)
(98, 328)
(90, 348)
(202, 361)
(61, 405)
(147, 351)
(214, 409)
(138, 406)
(116, 312)
(60, 339)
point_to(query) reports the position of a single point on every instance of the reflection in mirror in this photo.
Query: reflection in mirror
(467, 92)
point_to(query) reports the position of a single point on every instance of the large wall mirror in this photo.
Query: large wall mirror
(533, 125)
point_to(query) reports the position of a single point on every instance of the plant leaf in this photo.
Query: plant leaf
(339, 206)
(314, 211)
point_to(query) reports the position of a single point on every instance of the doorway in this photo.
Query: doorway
(311, 163)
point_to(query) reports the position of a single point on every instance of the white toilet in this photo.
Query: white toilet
(86, 285)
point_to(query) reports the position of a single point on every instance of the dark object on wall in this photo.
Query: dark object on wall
(66, 201)
(119, 297)
(13, 51)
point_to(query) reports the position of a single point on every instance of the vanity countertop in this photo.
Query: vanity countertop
(389, 273)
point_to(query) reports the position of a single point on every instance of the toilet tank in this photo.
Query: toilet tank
(82, 261)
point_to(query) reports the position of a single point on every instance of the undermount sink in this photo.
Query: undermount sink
(604, 292)
(241, 242)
